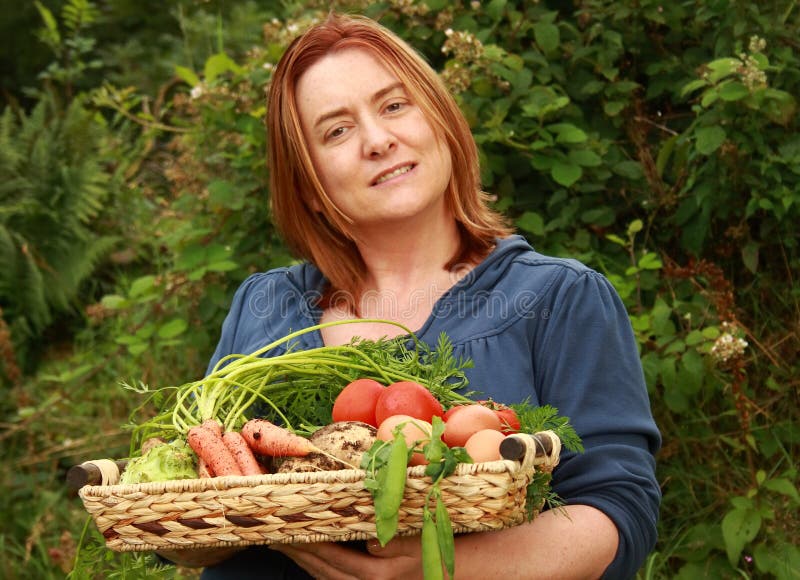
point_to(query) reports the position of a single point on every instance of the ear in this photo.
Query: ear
(315, 204)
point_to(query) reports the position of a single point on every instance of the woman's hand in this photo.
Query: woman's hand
(400, 558)
(574, 542)
(199, 557)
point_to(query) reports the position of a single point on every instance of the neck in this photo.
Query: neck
(409, 257)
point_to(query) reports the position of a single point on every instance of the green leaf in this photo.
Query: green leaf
(187, 75)
(225, 194)
(173, 328)
(733, 91)
(565, 174)
(114, 301)
(218, 64)
(635, 227)
(694, 338)
(709, 97)
(547, 36)
(600, 216)
(629, 169)
(709, 139)
(495, 9)
(693, 86)
(567, 133)
(585, 158)
(691, 372)
(721, 68)
(739, 527)
(784, 487)
(221, 266)
(614, 108)
(138, 348)
(141, 286)
(531, 222)
(616, 239)
(542, 101)
(650, 261)
(750, 256)
(51, 35)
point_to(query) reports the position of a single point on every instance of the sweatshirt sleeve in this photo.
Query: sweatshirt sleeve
(588, 366)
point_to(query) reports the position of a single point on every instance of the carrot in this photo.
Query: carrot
(209, 447)
(214, 425)
(203, 470)
(242, 453)
(266, 438)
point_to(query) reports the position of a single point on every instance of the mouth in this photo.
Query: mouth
(396, 171)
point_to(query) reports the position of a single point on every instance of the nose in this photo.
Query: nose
(378, 139)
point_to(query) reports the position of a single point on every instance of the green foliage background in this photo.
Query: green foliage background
(656, 141)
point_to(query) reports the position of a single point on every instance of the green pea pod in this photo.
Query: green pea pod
(431, 556)
(387, 502)
(444, 532)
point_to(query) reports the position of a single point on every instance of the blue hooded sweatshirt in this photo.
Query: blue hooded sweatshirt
(542, 329)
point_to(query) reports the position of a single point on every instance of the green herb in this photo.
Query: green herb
(539, 493)
(546, 418)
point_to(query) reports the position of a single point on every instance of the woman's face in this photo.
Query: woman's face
(378, 158)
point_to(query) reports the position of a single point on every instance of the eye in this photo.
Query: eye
(394, 107)
(335, 133)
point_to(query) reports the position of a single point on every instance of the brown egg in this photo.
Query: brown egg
(416, 432)
(485, 445)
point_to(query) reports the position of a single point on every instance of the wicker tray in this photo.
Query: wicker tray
(310, 507)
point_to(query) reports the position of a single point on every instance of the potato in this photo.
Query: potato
(345, 441)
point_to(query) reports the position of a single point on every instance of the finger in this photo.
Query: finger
(398, 546)
(327, 559)
(308, 561)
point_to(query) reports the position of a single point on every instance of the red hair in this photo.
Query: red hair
(321, 236)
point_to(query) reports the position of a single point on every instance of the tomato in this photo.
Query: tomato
(449, 413)
(407, 398)
(508, 416)
(467, 421)
(357, 402)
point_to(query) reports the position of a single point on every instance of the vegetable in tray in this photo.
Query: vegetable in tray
(379, 406)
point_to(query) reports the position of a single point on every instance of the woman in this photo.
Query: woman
(375, 184)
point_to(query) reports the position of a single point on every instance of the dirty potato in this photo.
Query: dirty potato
(343, 443)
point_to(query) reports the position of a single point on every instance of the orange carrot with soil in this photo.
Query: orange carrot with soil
(266, 438)
(242, 453)
(203, 470)
(208, 446)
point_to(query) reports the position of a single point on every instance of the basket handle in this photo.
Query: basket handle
(543, 447)
(96, 472)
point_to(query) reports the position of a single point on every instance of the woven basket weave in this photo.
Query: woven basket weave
(307, 507)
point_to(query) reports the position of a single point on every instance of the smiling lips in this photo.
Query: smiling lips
(393, 173)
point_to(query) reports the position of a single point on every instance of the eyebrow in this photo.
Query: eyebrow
(343, 110)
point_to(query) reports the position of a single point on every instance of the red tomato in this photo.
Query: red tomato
(357, 402)
(508, 416)
(407, 398)
(509, 420)
(468, 421)
(449, 413)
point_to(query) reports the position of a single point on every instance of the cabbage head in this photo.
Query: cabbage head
(174, 460)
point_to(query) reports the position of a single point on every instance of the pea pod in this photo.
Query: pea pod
(431, 556)
(390, 495)
(444, 532)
